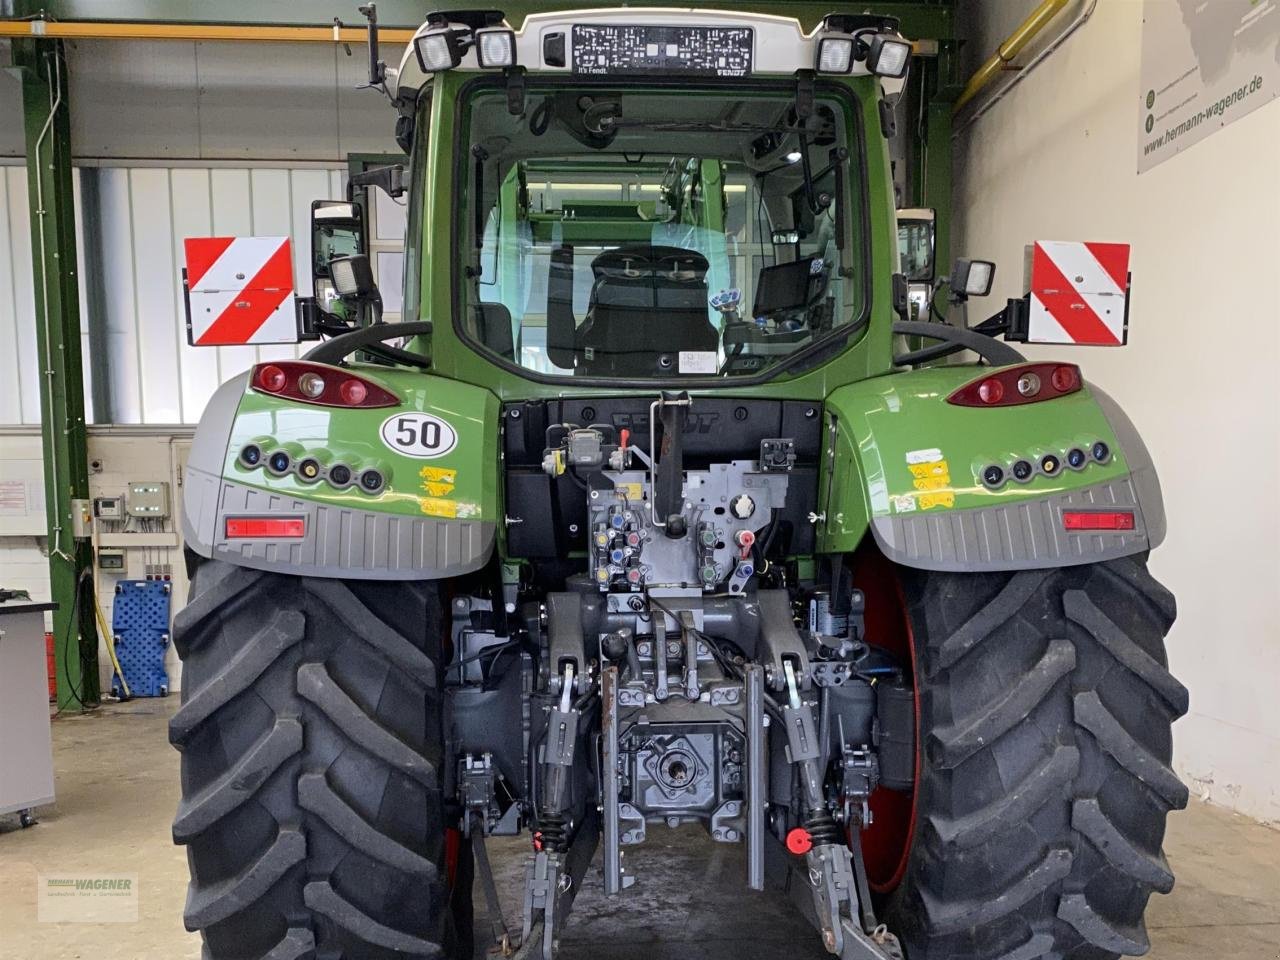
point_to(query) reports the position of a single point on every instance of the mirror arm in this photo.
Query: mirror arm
(995, 352)
(337, 349)
(377, 69)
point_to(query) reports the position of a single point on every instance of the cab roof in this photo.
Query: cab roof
(548, 43)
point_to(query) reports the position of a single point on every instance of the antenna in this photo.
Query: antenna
(377, 69)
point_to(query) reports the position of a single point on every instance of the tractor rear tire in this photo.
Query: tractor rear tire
(1044, 778)
(312, 758)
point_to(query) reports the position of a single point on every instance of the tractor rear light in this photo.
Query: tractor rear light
(1027, 383)
(1065, 378)
(311, 385)
(321, 384)
(353, 392)
(265, 528)
(270, 378)
(1087, 520)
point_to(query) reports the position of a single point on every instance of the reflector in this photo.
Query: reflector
(1083, 520)
(265, 528)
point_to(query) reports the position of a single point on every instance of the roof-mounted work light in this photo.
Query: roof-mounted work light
(835, 54)
(888, 56)
(496, 47)
(441, 48)
(885, 54)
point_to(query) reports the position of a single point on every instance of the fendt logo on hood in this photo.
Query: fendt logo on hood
(639, 422)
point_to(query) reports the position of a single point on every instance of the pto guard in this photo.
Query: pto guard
(434, 518)
(908, 466)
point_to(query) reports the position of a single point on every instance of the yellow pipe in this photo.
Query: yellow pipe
(1014, 44)
(69, 30)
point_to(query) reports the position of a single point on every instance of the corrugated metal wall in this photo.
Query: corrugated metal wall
(19, 373)
(154, 375)
(215, 101)
(149, 374)
(178, 140)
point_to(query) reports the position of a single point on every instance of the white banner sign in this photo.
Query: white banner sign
(1205, 63)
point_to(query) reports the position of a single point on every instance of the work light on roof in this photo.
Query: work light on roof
(496, 47)
(440, 49)
(888, 56)
(885, 54)
(835, 54)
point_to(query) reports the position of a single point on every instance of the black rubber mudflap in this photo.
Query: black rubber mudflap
(311, 741)
(1046, 708)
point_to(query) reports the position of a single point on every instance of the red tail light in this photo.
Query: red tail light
(321, 384)
(265, 528)
(1013, 386)
(1085, 520)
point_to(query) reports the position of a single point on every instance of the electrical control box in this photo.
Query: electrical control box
(81, 518)
(111, 561)
(148, 499)
(108, 508)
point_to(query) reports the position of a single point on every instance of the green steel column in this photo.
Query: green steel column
(46, 116)
(941, 86)
(937, 177)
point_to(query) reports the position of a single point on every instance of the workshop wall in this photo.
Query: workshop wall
(215, 101)
(118, 456)
(1056, 160)
(136, 220)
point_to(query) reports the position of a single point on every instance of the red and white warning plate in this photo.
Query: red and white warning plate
(1079, 293)
(240, 291)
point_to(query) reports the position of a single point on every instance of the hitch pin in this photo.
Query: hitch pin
(566, 688)
(790, 672)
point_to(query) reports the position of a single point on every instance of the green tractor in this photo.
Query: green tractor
(657, 511)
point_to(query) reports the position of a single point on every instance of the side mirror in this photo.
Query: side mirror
(917, 243)
(337, 230)
(971, 278)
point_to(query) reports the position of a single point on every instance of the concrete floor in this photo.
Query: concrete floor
(118, 788)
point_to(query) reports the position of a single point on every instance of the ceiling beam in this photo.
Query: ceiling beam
(920, 20)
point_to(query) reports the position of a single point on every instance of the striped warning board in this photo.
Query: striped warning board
(1079, 293)
(240, 290)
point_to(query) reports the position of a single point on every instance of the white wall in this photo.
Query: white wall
(1055, 161)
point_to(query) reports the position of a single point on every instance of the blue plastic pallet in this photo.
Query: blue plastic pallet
(140, 631)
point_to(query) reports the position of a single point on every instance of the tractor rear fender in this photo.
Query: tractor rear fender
(429, 508)
(907, 465)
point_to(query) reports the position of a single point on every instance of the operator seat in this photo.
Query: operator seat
(648, 303)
